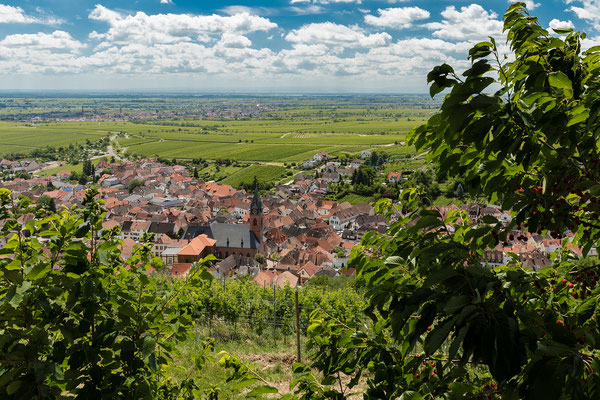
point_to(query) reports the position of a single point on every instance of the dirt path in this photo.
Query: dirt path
(269, 361)
(111, 152)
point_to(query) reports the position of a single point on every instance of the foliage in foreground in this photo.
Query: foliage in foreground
(446, 326)
(78, 321)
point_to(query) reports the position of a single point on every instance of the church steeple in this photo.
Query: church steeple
(256, 214)
(256, 206)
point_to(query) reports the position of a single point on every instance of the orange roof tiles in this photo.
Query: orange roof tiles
(196, 246)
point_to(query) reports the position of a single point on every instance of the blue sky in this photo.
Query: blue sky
(249, 46)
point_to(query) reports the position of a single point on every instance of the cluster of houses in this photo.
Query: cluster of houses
(27, 166)
(292, 231)
(532, 249)
(285, 237)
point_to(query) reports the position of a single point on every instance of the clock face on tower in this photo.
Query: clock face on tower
(254, 212)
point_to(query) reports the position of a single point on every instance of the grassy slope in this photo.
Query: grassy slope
(266, 173)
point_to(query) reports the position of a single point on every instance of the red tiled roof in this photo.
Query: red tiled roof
(196, 246)
(180, 269)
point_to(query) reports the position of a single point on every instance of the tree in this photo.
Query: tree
(133, 184)
(448, 325)
(45, 203)
(374, 159)
(460, 191)
(259, 258)
(79, 321)
(88, 168)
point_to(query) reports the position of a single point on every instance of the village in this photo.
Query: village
(284, 237)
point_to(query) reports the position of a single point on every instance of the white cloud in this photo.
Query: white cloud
(530, 4)
(397, 18)
(337, 36)
(166, 2)
(234, 41)
(589, 11)
(16, 15)
(589, 42)
(308, 10)
(172, 28)
(470, 23)
(57, 40)
(232, 10)
(40, 53)
(217, 49)
(557, 24)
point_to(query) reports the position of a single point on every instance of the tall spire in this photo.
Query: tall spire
(256, 214)
(256, 206)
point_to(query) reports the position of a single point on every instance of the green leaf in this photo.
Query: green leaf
(262, 389)
(13, 265)
(127, 310)
(578, 118)
(148, 346)
(244, 382)
(410, 395)
(435, 339)
(562, 31)
(560, 81)
(460, 389)
(13, 387)
(489, 219)
(586, 309)
(39, 271)
(456, 303)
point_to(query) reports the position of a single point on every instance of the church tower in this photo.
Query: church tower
(256, 215)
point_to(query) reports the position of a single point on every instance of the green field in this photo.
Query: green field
(266, 173)
(22, 138)
(69, 167)
(238, 128)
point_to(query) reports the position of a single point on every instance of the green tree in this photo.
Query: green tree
(259, 258)
(133, 184)
(80, 322)
(88, 168)
(446, 324)
(460, 191)
(45, 203)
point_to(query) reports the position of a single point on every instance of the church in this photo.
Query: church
(223, 240)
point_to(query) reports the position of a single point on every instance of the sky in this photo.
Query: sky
(253, 46)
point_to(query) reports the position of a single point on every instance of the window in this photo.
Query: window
(254, 221)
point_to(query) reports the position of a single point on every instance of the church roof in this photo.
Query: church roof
(226, 235)
(237, 235)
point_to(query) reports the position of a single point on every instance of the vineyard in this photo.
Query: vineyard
(262, 308)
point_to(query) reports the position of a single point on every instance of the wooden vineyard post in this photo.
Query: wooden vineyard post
(298, 328)
(274, 314)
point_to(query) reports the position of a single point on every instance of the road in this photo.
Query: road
(110, 151)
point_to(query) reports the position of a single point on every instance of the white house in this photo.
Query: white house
(310, 163)
(320, 157)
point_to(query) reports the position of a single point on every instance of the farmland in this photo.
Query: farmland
(246, 175)
(245, 129)
(23, 137)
